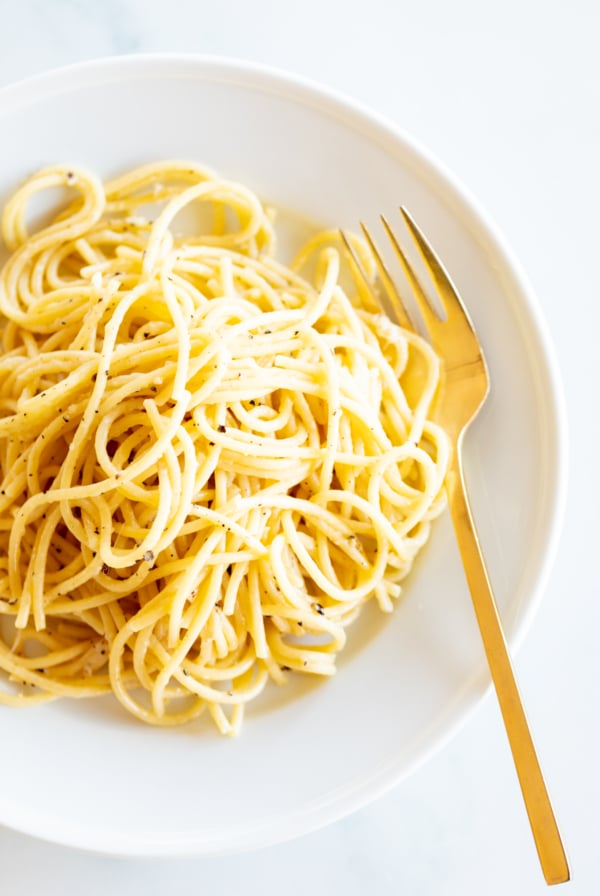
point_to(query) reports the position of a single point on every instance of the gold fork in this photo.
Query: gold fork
(463, 389)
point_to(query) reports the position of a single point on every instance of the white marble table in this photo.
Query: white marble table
(510, 100)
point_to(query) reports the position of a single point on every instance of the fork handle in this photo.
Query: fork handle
(545, 831)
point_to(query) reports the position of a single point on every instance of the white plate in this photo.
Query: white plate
(84, 773)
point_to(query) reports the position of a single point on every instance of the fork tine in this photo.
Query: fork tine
(429, 314)
(451, 302)
(391, 290)
(359, 275)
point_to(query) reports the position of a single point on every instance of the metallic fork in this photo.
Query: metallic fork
(463, 389)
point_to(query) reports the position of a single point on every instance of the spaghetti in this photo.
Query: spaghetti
(209, 461)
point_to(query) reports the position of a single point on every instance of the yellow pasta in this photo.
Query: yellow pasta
(209, 461)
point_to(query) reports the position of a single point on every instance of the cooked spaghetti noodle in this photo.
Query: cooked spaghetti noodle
(209, 462)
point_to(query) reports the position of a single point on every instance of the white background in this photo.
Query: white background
(508, 96)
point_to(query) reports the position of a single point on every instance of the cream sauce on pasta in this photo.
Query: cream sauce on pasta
(209, 460)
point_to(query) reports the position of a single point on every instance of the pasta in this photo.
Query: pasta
(209, 461)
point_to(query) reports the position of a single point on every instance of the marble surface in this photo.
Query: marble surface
(507, 95)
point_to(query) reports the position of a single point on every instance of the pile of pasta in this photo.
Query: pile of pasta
(209, 461)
